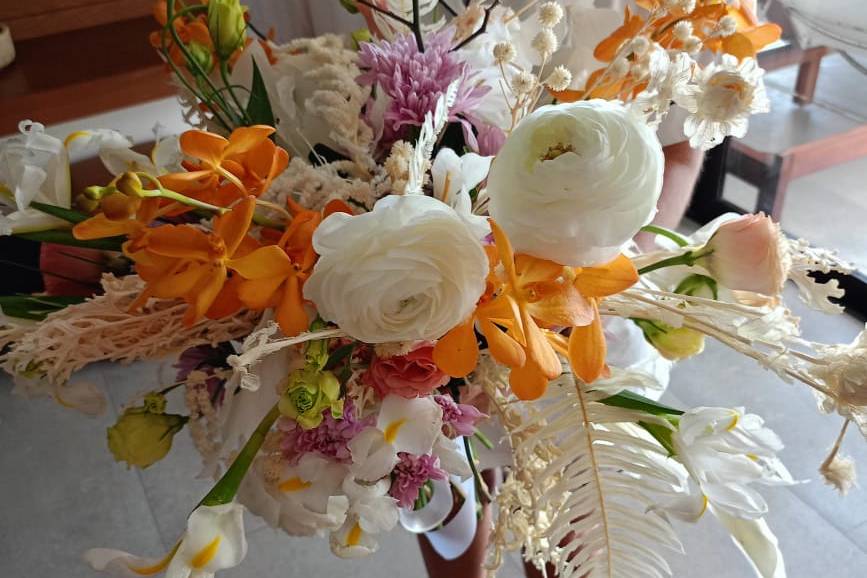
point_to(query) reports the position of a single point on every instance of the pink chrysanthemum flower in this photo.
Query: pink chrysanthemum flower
(415, 80)
(330, 439)
(410, 474)
(459, 419)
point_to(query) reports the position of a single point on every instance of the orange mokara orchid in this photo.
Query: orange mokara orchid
(520, 315)
(521, 311)
(751, 36)
(189, 30)
(228, 169)
(274, 275)
(183, 261)
(100, 226)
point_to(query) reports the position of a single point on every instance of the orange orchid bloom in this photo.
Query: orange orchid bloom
(228, 169)
(273, 276)
(190, 30)
(519, 311)
(183, 261)
(751, 36)
(100, 226)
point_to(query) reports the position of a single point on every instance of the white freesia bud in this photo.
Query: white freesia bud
(523, 82)
(683, 30)
(692, 45)
(545, 42)
(727, 25)
(550, 14)
(504, 52)
(409, 270)
(559, 79)
(574, 182)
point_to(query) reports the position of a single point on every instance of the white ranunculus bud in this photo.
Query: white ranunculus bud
(574, 182)
(409, 270)
(559, 78)
(550, 14)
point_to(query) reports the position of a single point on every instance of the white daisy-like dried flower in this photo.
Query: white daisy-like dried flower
(721, 100)
(550, 14)
(620, 67)
(692, 45)
(687, 5)
(545, 42)
(727, 25)
(504, 52)
(523, 82)
(640, 45)
(839, 472)
(559, 79)
(683, 30)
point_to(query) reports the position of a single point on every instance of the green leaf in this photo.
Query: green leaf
(66, 214)
(65, 237)
(661, 434)
(35, 307)
(259, 107)
(349, 6)
(629, 400)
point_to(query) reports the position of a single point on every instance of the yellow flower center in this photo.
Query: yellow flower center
(295, 484)
(353, 538)
(390, 433)
(206, 554)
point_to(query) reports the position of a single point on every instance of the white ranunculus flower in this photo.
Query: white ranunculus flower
(576, 181)
(411, 269)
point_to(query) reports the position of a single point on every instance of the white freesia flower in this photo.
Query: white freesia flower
(725, 451)
(403, 425)
(309, 495)
(409, 270)
(371, 512)
(34, 166)
(214, 541)
(453, 179)
(721, 100)
(574, 182)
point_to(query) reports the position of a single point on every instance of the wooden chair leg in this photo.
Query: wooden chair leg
(808, 75)
(772, 192)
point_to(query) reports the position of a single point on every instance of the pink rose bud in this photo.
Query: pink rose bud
(746, 255)
(410, 375)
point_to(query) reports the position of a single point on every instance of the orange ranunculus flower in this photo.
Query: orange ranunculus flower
(183, 261)
(274, 275)
(518, 312)
(228, 169)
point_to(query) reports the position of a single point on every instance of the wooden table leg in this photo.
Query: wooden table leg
(808, 75)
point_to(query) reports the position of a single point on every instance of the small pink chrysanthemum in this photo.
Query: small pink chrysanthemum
(415, 80)
(459, 419)
(330, 439)
(410, 474)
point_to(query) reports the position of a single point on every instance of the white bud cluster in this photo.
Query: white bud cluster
(683, 30)
(545, 42)
(550, 14)
(559, 79)
(620, 67)
(523, 82)
(504, 52)
(639, 45)
(692, 45)
(727, 25)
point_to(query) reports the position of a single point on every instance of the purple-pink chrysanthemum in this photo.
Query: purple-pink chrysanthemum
(410, 474)
(330, 439)
(415, 80)
(459, 419)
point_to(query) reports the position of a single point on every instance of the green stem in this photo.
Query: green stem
(227, 84)
(681, 242)
(481, 486)
(165, 193)
(483, 439)
(689, 258)
(225, 489)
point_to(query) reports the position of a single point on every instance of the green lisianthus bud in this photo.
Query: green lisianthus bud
(227, 26)
(202, 56)
(672, 342)
(143, 435)
(311, 392)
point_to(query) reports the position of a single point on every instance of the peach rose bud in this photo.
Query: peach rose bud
(746, 255)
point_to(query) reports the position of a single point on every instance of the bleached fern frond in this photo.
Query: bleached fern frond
(585, 479)
(430, 130)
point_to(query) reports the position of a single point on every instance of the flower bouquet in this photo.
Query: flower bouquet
(390, 259)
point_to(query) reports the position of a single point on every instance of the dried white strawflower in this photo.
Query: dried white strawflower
(839, 472)
(550, 14)
(640, 45)
(619, 67)
(687, 5)
(545, 42)
(559, 79)
(523, 82)
(683, 30)
(727, 25)
(692, 45)
(504, 52)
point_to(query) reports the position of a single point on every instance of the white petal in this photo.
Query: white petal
(410, 425)
(119, 563)
(83, 396)
(214, 539)
(755, 539)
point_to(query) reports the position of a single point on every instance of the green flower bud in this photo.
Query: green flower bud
(672, 342)
(310, 392)
(142, 437)
(227, 26)
(202, 56)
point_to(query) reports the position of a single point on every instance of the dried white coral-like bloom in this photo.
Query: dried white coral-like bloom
(523, 82)
(559, 79)
(844, 373)
(683, 30)
(504, 52)
(545, 42)
(839, 472)
(727, 25)
(550, 14)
